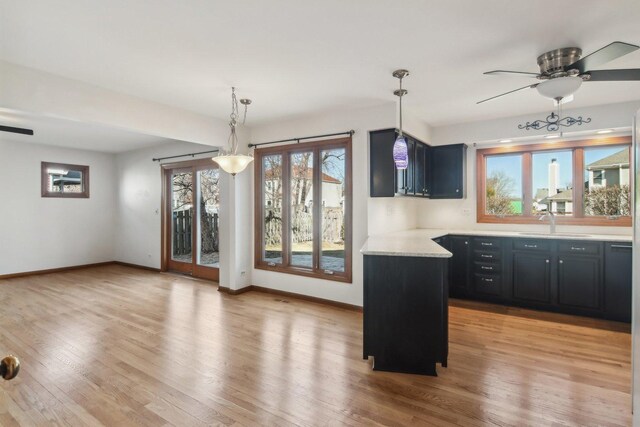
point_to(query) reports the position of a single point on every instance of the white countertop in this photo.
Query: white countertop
(419, 243)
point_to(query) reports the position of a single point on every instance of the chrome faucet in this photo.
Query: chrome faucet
(552, 221)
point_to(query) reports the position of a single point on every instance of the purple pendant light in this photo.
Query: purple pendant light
(400, 152)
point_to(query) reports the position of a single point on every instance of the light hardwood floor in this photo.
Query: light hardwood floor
(120, 346)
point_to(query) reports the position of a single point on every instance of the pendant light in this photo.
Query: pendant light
(230, 161)
(400, 152)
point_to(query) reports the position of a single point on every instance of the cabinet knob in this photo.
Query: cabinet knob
(466, 242)
(547, 261)
(561, 262)
(457, 190)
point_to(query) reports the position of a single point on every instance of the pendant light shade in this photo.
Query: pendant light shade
(233, 164)
(400, 153)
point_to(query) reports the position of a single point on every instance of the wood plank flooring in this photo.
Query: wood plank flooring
(119, 346)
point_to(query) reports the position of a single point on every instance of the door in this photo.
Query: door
(448, 171)
(617, 281)
(191, 206)
(579, 281)
(531, 277)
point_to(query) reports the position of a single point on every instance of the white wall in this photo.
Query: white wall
(41, 233)
(461, 214)
(369, 215)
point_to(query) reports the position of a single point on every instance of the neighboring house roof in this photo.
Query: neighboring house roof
(297, 171)
(616, 160)
(541, 193)
(563, 196)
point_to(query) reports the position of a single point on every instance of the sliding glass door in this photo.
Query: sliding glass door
(191, 207)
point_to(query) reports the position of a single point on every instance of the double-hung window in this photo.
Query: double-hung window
(303, 209)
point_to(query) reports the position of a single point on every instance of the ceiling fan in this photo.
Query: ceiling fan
(562, 71)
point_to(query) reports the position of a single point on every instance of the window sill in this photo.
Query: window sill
(344, 278)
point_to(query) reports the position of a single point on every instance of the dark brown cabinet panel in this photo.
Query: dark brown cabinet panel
(531, 277)
(580, 281)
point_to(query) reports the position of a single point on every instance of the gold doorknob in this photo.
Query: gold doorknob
(9, 367)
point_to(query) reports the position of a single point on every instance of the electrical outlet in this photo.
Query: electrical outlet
(466, 212)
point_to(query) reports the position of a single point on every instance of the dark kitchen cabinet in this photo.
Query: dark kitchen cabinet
(617, 279)
(531, 277)
(382, 173)
(405, 313)
(432, 172)
(448, 171)
(580, 281)
(459, 246)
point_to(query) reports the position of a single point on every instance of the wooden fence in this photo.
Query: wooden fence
(182, 231)
(302, 226)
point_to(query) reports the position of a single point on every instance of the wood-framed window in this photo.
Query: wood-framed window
(303, 208)
(64, 180)
(584, 182)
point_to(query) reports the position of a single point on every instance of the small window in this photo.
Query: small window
(64, 180)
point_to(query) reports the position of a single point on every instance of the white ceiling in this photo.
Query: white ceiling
(297, 57)
(73, 134)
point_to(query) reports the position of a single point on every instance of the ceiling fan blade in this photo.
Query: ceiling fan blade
(496, 72)
(507, 93)
(614, 75)
(12, 129)
(602, 56)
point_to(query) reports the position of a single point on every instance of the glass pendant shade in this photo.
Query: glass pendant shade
(400, 153)
(560, 87)
(233, 163)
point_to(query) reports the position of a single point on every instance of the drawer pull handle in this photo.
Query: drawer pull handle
(486, 256)
(487, 280)
(575, 248)
(486, 244)
(622, 246)
(486, 268)
(531, 246)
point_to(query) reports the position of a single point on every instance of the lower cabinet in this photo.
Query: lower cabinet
(531, 277)
(588, 278)
(617, 279)
(580, 281)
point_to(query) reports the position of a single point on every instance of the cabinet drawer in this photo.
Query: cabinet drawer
(485, 243)
(531, 245)
(486, 256)
(486, 268)
(487, 284)
(579, 247)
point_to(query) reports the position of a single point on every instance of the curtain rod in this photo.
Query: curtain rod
(185, 155)
(349, 132)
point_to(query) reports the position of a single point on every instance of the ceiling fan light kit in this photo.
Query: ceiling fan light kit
(563, 70)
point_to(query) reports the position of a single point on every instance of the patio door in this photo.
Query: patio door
(190, 230)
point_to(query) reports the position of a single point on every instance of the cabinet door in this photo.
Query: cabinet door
(617, 281)
(579, 281)
(421, 169)
(411, 169)
(382, 170)
(531, 277)
(459, 266)
(448, 163)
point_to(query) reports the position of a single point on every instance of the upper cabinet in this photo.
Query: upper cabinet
(448, 171)
(435, 172)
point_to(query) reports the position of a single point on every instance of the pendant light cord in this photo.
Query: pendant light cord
(400, 105)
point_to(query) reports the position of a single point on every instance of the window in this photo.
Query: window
(303, 209)
(581, 182)
(64, 180)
